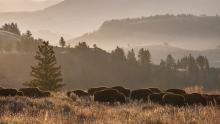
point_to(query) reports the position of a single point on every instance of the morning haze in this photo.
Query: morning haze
(110, 61)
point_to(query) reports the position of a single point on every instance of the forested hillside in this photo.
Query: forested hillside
(184, 31)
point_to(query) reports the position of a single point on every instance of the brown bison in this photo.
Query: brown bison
(157, 97)
(35, 92)
(123, 90)
(92, 91)
(212, 99)
(155, 90)
(79, 93)
(177, 91)
(110, 96)
(141, 94)
(196, 99)
(174, 99)
(9, 92)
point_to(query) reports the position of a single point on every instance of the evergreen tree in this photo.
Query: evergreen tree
(170, 62)
(62, 42)
(118, 55)
(13, 28)
(144, 57)
(131, 57)
(46, 75)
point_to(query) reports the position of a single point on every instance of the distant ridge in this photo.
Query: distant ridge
(186, 31)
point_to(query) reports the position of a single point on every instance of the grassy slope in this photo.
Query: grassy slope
(62, 110)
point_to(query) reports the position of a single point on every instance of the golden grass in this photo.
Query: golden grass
(62, 110)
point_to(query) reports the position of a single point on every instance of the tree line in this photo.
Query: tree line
(96, 65)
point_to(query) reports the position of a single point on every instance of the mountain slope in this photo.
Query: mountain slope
(76, 17)
(184, 31)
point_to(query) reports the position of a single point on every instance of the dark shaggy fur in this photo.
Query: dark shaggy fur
(123, 90)
(79, 93)
(177, 91)
(34, 92)
(174, 99)
(8, 92)
(155, 90)
(141, 94)
(92, 91)
(196, 99)
(110, 96)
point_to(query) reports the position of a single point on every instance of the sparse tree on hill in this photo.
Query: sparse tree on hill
(46, 74)
(13, 28)
(62, 42)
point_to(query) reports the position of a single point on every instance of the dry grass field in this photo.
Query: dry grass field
(60, 109)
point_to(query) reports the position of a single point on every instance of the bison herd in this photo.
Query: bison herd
(28, 92)
(119, 94)
(175, 97)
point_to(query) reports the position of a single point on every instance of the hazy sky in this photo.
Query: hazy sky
(25, 5)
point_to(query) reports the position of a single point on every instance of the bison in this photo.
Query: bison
(174, 99)
(79, 93)
(155, 90)
(35, 92)
(92, 91)
(212, 99)
(8, 92)
(196, 98)
(110, 96)
(177, 91)
(123, 90)
(157, 97)
(141, 94)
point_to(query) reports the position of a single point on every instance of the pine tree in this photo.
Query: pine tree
(170, 62)
(62, 42)
(144, 57)
(131, 57)
(46, 75)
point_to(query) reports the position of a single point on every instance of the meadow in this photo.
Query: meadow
(59, 109)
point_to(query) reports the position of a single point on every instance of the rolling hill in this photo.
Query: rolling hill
(75, 17)
(185, 31)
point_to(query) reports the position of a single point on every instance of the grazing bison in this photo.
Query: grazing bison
(109, 95)
(196, 99)
(155, 90)
(79, 93)
(212, 99)
(34, 92)
(20, 93)
(123, 90)
(174, 99)
(92, 91)
(177, 91)
(156, 98)
(141, 94)
(8, 92)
